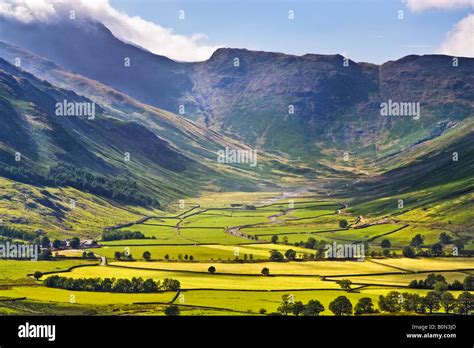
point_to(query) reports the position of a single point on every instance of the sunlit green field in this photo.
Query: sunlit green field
(15, 270)
(321, 268)
(207, 281)
(236, 242)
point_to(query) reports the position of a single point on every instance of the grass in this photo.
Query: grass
(400, 279)
(40, 293)
(428, 264)
(90, 215)
(322, 268)
(199, 252)
(236, 288)
(403, 237)
(253, 301)
(15, 270)
(206, 281)
(361, 234)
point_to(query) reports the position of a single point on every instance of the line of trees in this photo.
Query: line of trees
(122, 235)
(437, 281)
(13, 233)
(393, 302)
(134, 285)
(120, 189)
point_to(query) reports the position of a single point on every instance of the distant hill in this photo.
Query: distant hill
(336, 102)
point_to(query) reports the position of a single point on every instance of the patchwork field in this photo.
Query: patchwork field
(236, 242)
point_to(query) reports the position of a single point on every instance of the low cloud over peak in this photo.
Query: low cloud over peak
(146, 34)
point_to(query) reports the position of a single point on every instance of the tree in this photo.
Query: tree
(408, 252)
(297, 308)
(386, 252)
(468, 283)
(364, 306)
(345, 284)
(286, 305)
(275, 255)
(417, 241)
(440, 288)
(172, 311)
(211, 269)
(37, 275)
(448, 301)
(390, 303)
(275, 239)
(117, 255)
(167, 257)
(265, 271)
(343, 224)
(74, 243)
(411, 302)
(285, 240)
(445, 238)
(191, 257)
(436, 249)
(341, 306)
(56, 244)
(432, 279)
(290, 254)
(313, 308)
(171, 284)
(150, 286)
(456, 285)
(431, 301)
(147, 256)
(45, 242)
(262, 311)
(386, 244)
(465, 303)
(45, 255)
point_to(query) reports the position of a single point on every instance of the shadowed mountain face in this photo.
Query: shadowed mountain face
(34, 139)
(90, 49)
(300, 105)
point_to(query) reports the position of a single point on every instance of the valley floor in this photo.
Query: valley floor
(236, 233)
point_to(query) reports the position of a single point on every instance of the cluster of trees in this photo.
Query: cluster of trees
(436, 249)
(172, 311)
(181, 257)
(88, 255)
(16, 234)
(437, 281)
(291, 255)
(123, 256)
(339, 306)
(134, 285)
(119, 189)
(289, 306)
(395, 302)
(122, 235)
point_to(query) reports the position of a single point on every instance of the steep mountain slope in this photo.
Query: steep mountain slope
(193, 140)
(31, 128)
(248, 95)
(90, 49)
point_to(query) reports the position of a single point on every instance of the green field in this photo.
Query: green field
(214, 237)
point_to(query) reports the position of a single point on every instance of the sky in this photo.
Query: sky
(373, 31)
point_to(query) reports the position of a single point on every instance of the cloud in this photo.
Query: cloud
(421, 5)
(460, 40)
(149, 35)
